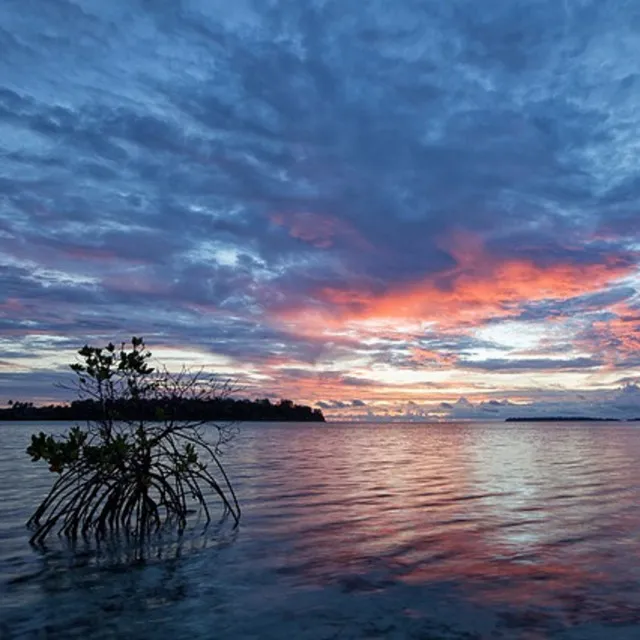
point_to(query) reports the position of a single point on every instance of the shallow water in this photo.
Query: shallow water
(372, 531)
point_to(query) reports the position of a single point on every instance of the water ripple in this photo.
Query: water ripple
(450, 531)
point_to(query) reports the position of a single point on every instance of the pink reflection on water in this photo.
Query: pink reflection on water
(542, 520)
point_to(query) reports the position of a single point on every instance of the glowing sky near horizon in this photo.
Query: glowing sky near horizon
(412, 209)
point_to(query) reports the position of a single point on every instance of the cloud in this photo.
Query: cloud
(622, 403)
(532, 364)
(479, 289)
(322, 197)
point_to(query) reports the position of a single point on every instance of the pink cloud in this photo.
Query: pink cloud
(322, 231)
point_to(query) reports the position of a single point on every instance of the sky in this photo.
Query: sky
(389, 210)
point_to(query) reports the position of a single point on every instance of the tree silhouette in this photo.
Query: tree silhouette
(128, 470)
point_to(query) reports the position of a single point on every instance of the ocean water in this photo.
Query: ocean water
(488, 530)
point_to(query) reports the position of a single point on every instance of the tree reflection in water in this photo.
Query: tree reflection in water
(89, 591)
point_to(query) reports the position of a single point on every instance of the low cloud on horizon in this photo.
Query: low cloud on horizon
(622, 403)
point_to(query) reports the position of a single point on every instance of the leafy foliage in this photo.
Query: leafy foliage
(127, 472)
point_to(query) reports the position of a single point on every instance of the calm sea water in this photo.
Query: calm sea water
(371, 531)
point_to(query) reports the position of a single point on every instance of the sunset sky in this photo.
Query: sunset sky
(416, 209)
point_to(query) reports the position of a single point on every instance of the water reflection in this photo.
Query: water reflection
(538, 518)
(494, 530)
(84, 591)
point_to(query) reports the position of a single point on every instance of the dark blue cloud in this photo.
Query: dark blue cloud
(533, 364)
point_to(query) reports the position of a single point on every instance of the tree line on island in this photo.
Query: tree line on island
(210, 409)
(568, 419)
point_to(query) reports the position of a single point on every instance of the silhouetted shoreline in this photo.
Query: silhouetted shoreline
(561, 419)
(219, 409)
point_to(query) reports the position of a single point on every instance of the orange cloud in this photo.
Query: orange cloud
(427, 356)
(479, 288)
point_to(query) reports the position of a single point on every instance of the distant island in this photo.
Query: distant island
(561, 419)
(218, 409)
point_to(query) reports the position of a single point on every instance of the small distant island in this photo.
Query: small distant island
(219, 409)
(560, 419)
